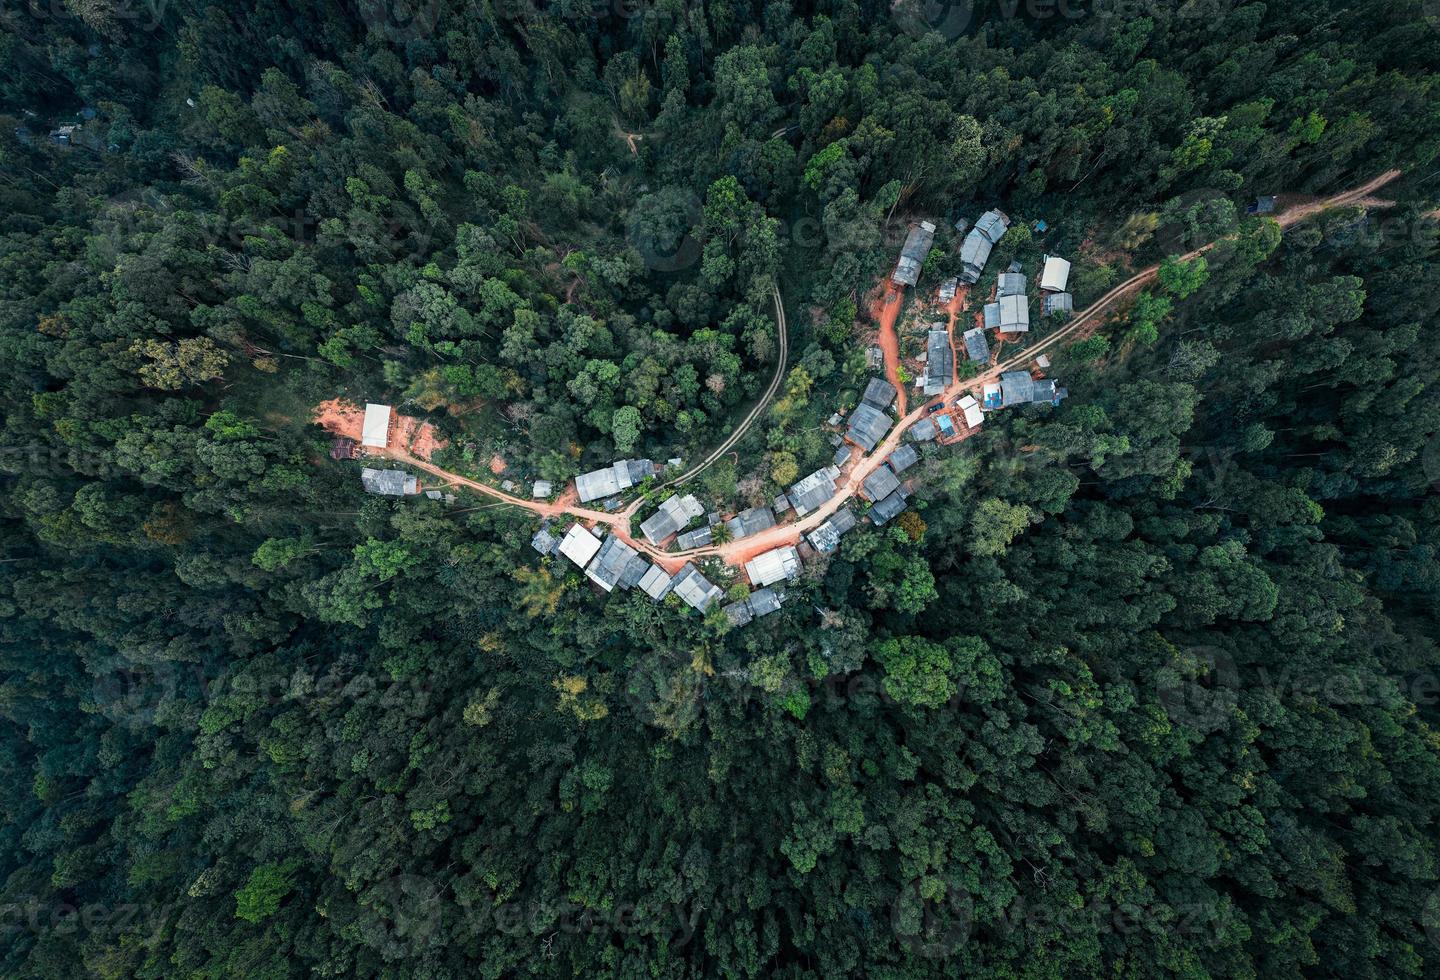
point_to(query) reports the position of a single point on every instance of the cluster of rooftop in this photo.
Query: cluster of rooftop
(611, 563)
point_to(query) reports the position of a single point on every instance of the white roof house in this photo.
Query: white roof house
(971, 408)
(376, 430)
(1056, 274)
(579, 545)
(773, 565)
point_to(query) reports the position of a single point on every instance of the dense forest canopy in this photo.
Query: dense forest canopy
(1147, 685)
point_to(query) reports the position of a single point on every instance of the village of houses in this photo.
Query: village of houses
(682, 524)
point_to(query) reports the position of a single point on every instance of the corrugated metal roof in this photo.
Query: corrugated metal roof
(977, 348)
(749, 522)
(903, 458)
(774, 565)
(812, 491)
(868, 426)
(880, 484)
(878, 393)
(884, 510)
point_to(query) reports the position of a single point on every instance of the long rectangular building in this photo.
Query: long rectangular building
(937, 361)
(611, 479)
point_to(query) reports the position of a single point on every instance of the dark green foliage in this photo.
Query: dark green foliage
(1149, 689)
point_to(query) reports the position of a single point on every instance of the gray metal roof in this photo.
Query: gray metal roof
(1012, 314)
(697, 538)
(977, 348)
(826, 537)
(884, 510)
(655, 582)
(674, 514)
(922, 431)
(545, 542)
(937, 361)
(878, 393)
(992, 225)
(868, 426)
(738, 612)
(388, 483)
(764, 601)
(903, 458)
(1010, 284)
(620, 475)
(694, 589)
(1018, 388)
(974, 253)
(1057, 303)
(812, 491)
(842, 456)
(780, 505)
(611, 563)
(913, 253)
(881, 483)
(749, 522)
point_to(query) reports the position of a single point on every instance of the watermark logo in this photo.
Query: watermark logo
(661, 227)
(401, 21)
(1193, 218)
(948, 18)
(1203, 694)
(932, 920)
(1430, 918)
(1430, 458)
(411, 903)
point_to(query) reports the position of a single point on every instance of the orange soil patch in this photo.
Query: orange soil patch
(344, 418)
(497, 465)
(419, 438)
(885, 310)
(340, 417)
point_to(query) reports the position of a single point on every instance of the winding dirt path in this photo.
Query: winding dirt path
(737, 552)
(760, 406)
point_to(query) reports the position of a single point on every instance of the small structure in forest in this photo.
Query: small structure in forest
(977, 348)
(759, 603)
(826, 537)
(694, 589)
(884, 510)
(579, 545)
(1057, 303)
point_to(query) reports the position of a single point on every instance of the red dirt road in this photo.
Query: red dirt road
(886, 311)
